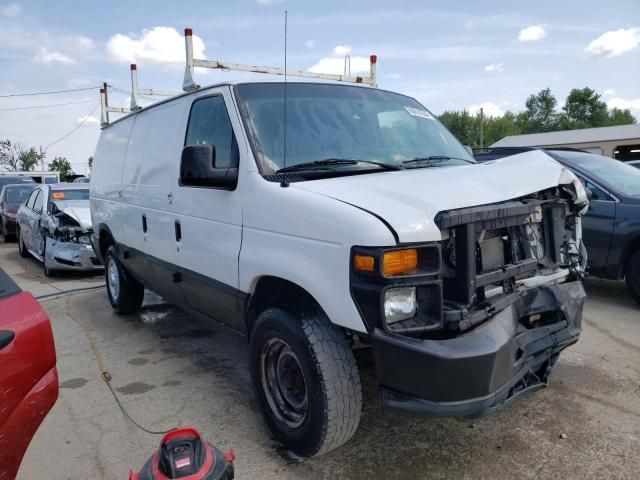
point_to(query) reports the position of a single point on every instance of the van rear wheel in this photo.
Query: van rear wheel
(125, 292)
(632, 276)
(306, 380)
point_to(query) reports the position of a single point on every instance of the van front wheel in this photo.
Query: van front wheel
(125, 292)
(306, 380)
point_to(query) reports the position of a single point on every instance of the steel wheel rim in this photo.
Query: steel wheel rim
(283, 382)
(113, 279)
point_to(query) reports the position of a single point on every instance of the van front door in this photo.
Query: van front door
(208, 221)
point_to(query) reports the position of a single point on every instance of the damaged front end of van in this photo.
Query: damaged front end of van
(484, 313)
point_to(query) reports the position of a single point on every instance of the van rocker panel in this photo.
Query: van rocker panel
(482, 370)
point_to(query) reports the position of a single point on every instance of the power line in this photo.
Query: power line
(44, 106)
(75, 128)
(47, 93)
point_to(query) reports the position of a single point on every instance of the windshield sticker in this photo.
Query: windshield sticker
(416, 112)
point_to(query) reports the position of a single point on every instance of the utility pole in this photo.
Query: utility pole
(481, 127)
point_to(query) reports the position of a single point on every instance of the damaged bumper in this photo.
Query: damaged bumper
(487, 368)
(61, 255)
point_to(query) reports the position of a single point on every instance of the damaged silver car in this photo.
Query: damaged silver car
(54, 225)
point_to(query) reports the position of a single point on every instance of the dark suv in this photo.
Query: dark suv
(611, 228)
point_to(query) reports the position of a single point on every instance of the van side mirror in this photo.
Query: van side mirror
(198, 169)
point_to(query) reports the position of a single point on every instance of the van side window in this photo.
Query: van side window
(37, 204)
(209, 124)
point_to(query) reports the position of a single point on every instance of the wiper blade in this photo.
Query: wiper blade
(329, 162)
(433, 159)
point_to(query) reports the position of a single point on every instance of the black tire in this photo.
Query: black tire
(24, 253)
(632, 276)
(128, 296)
(329, 374)
(3, 237)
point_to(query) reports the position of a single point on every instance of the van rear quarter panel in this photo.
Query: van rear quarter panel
(106, 177)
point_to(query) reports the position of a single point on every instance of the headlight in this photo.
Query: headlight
(84, 239)
(400, 304)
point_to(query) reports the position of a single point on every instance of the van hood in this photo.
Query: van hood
(79, 210)
(409, 200)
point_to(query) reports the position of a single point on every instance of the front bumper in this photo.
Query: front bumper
(70, 256)
(485, 369)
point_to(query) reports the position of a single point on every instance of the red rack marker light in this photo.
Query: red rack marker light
(133, 66)
(373, 58)
(188, 32)
(103, 90)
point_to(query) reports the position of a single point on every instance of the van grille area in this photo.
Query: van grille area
(488, 248)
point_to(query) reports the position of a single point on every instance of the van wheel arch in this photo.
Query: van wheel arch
(271, 292)
(105, 240)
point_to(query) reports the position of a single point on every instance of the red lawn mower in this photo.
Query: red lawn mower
(184, 454)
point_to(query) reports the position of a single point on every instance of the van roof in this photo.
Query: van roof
(232, 83)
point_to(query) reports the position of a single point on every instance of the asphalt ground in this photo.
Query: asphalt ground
(170, 369)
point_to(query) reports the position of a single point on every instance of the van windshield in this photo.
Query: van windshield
(340, 126)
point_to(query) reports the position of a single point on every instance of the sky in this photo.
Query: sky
(448, 54)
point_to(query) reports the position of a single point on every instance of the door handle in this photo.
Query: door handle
(144, 223)
(178, 231)
(6, 337)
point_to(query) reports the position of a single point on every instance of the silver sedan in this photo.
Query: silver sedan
(54, 225)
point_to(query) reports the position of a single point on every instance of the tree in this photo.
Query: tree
(90, 162)
(9, 155)
(540, 114)
(28, 159)
(464, 126)
(584, 109)
(62, 166)
(620, 117)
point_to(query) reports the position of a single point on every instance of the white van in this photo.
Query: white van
(312, 217)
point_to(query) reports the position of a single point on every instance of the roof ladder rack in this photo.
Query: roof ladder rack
(189, 84)
(135, 92)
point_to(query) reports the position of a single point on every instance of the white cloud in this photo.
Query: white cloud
(88, 120)
(342, 50)
(532, 33)
(10, 10)
(494, 67)
(85, 43)
(623, 104)
(393, 76)
(46, 57)
(336, 65)
(609, 91)
(614, 43)
(269, 2)
(489, 109)
(310, 43)
(162, 45)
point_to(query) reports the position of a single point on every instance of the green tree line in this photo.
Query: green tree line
(583, 108)
(14, 157)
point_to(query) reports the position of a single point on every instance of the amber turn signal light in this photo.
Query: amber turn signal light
(397, 262)
(364, 263)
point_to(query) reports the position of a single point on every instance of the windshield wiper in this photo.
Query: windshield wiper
(329, 162)
(433, 159)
